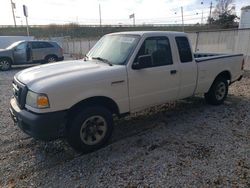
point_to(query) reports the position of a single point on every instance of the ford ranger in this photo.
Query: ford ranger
(123, 73)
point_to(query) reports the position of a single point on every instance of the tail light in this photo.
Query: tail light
(243, 64)
(61, 50)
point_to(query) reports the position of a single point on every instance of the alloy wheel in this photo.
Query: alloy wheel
(93, 130)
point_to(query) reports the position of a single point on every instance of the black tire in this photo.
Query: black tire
(51, 59)
(5, 64)
(80, 127)
(218, 91)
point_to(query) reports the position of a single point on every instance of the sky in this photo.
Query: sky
(112, 11)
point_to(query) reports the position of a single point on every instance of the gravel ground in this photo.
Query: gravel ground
(182, 144)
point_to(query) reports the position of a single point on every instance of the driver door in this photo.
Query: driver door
(158, 82)
(20, 53)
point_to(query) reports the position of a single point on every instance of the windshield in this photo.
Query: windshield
(114, 48)
(13, 45)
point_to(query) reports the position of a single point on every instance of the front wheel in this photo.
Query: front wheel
(90, 129)
(218, 92)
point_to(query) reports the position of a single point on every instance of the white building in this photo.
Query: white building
(245, 17)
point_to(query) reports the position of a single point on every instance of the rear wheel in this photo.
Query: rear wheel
(90, 129)
(50, 59)
(218, 92)
(5, 64)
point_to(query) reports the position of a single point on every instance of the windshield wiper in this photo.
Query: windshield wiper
(85, 58)
(103, 60)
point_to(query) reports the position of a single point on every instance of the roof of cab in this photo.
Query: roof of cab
(35, 41)
(39, 41)
(149, 33)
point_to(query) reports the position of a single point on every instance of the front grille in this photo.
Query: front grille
(19, 92)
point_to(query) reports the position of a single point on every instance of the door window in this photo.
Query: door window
(184, 49)
(21, 46)
(47, 45)
(159, 49)
(37, 45)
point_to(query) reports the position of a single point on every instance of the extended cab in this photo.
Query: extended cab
(123, 73)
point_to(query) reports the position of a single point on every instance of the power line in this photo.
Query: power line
(168, 18)
(84, 20)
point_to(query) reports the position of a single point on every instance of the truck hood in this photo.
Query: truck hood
(68, 72)
(65, 68)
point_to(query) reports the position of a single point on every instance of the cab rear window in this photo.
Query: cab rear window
(184, 49)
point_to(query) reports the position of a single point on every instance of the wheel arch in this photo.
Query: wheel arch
(48, 55)
(6, 57)
(106, 102)
(224, 74)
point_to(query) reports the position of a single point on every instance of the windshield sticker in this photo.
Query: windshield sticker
(127, 39)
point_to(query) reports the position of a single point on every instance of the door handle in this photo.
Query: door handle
(173, 71)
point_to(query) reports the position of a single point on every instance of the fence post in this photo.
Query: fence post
(89, 43)
(67, 46)
(197, 41)
(80, 48)
(73, 47)
(247, 62)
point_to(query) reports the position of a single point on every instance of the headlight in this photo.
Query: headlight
(37, 100)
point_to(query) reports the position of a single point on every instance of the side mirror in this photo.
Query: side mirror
(144, 61)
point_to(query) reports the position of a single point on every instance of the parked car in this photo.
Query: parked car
(123, 73)
(27, 52)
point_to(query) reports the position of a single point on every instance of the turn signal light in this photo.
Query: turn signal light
(42, 101)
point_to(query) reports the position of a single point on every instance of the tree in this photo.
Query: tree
(224, 14)
(223, 7)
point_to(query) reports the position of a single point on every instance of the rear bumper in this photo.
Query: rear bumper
(61, 58)
(48, 126)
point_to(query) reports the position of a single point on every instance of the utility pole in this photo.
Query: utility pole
(201, 17)
(182, 19)
(100, 15)
(202, 13)
(134, 20)
(27, 26)
(13, 12)
(210, 12)
(132, 16)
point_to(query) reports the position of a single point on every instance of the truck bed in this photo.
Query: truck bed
(211, 64)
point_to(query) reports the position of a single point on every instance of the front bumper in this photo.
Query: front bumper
(47, 126)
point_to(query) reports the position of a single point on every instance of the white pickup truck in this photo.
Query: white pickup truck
(123, 73)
